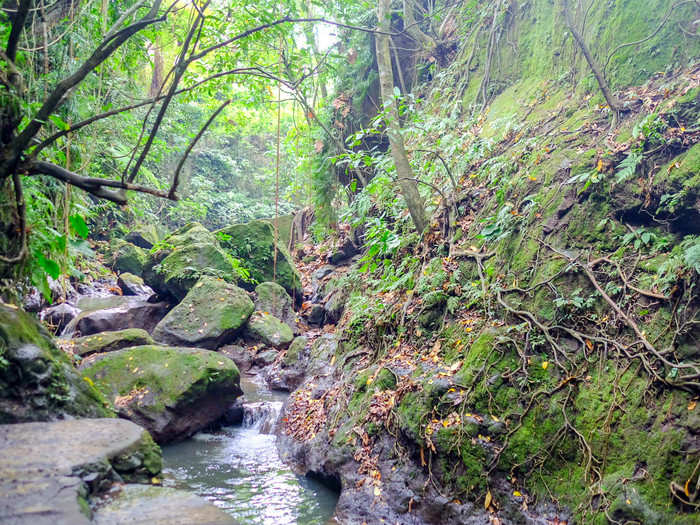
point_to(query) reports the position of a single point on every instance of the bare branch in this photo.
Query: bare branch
(181, 163)
(94, 186)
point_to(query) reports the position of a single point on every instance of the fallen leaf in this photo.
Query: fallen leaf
(487, 500)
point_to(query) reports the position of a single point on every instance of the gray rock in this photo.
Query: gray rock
(118, 313)
(240, 355)
(59, 316)
(274, 299)
(316, 316)
(148, 505)
(288, 373)
(48, 469)
(131, 284)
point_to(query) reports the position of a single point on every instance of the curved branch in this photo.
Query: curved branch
(181, 163)
(94, 186)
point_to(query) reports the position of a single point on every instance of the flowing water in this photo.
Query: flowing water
(239, 470)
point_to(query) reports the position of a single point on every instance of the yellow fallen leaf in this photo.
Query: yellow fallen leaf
(685, 489)
(545, 364)
(155, 481)
(692, 405)
(487, 500)
(88, 381)
(517, 494)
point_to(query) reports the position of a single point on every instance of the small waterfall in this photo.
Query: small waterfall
(262, 415)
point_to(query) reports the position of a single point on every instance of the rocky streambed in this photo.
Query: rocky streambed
(166, 361)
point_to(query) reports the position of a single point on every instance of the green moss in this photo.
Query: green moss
(269, 330)
(254, 244)
(172, 376)
(211, 313)
(110, 341)
(152, 457)
(37, 380)
(127, 258)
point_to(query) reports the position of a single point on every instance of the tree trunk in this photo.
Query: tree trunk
(404, 173)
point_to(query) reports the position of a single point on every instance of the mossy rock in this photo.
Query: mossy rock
(191, 233)
(178, 272)
(209, 316)
(254, 244)
(144, 236)
(128, 258)
(37, 380)
(172, 392)
(284, 228)
(274, 299)
(110, 341)
(269, 330)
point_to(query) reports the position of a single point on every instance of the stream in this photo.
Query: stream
(238, 469)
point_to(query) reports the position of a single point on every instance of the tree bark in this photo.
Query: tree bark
(404, 173)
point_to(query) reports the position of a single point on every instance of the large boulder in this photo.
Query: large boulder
(209, 316)
(178, 272)
(184, 256)
(109, 341)
(148, 505)
(274, 299)
(37, 380)
(49, 470)
(172, 392)
(107, 314)
(254, 244)
(268, 330)
(127, 257)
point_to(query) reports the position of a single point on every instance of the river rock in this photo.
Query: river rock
(131, 284)
(108, 314)
(241, 355)
(148, 505)
(144, 236)
(209, 315)
(172, 392)
(335, 305)
(288, 373)
(268, 330)
(254, 244)
(37, 380)
(127, 257)
(181, 269)
(59, 316)
(110, 341)
(274, 299)
(48, 470)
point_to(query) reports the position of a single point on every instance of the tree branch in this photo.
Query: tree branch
(181, 163)
(94, 186)
(17, 28)
(58, 96)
